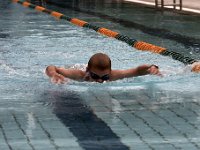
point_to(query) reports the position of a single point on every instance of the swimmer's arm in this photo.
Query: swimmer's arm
(133, 72)
(74, 74)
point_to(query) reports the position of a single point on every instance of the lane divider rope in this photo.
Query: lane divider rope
(140, 45)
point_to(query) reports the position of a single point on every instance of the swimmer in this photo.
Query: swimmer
(99, 70)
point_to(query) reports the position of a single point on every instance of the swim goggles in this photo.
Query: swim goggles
(96, 77)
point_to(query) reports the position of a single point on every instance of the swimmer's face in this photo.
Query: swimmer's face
(99, 68)
(98, 75)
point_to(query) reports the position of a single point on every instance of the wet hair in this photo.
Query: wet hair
(100, 61)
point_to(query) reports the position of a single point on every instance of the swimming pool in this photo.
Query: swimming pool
(146, 112)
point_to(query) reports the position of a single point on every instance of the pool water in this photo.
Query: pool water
(147, 112)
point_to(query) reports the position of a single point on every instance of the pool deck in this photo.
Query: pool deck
(192, 6)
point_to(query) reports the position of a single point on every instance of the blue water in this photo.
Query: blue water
(136, 113)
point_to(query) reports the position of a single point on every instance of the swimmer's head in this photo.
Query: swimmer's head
(99, 67)
(99, 61)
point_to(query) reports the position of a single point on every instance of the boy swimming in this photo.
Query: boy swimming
(99, 70)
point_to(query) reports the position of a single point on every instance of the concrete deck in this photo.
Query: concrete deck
(188, 5)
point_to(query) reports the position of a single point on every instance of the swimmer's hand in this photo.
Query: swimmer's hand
(154, 70)
(58, 79)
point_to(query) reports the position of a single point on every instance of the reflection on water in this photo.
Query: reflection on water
(38, 2)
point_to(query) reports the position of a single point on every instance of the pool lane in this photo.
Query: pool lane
(140, 45)
(91, 132)
(187, 41)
